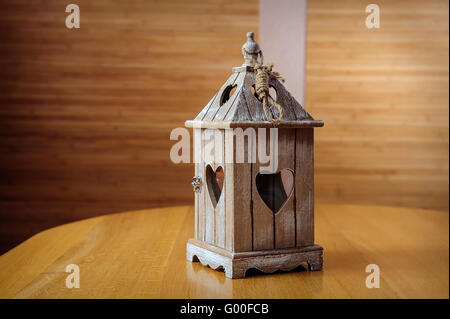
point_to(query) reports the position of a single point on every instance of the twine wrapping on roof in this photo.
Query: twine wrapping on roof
(262, 77)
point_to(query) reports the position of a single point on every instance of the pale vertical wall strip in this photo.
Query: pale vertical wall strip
(304, 186)
(282, 31)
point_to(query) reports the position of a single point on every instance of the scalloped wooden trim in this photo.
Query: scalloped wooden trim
(236, 266)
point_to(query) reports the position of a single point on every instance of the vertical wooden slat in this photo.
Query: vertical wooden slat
(263, 219)
(285, 218)
(197, 165)
(229, 190)
(243, 232)
(203, 191)
(304, 186)
(209, 208)
(219, 211)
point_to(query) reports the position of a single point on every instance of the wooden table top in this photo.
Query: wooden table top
(141, 254)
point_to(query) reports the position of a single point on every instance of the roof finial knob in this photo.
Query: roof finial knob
(250, 50)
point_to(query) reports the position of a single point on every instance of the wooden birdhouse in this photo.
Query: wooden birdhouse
(249, 214)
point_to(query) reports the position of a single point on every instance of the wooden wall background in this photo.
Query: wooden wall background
(85, 115)
(383, 94)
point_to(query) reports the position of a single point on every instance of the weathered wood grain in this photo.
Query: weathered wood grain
(289, 105)
(244, 107)
(201, 195)
(243, 198)
(235, 266)
(239, 113)
(285, 219)
(255, 124)
(229, 190)
(215, 106)
(197, 134)
(263, 218)
(304, 186)
(254, 106)
(208, 138)
(230, 105)
(205, 110)
(220, 209)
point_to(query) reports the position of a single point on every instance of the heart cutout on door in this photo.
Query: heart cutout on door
(275, 188)
(214, 181)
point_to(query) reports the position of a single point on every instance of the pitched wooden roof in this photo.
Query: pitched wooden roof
(243, 108)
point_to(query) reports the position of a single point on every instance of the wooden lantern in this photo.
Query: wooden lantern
(246, 217)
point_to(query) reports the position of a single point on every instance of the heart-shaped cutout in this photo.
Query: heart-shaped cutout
(214, 180)
(275, 188)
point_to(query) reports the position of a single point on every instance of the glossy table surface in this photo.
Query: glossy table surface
(141, 254)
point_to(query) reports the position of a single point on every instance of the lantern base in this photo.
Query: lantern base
(236, 264)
